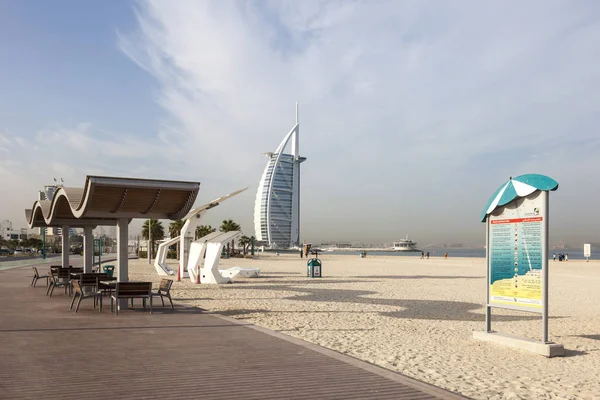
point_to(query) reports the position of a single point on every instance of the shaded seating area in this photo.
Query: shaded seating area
(81, 285)
(108, 201)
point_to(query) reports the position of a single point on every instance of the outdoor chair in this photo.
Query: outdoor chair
(87, 280)
(55, 268)
(81, 294)
(61, 279)
(93, 280)
(36, 276)
(131, 290)
(164, 290)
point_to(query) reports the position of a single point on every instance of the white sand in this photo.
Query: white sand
(416, 317)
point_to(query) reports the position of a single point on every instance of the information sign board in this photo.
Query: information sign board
(587, 250)
(516, 256)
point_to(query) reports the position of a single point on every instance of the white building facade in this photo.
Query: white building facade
(277, 205)
(8, 233)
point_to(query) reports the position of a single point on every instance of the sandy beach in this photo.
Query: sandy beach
(416, 317)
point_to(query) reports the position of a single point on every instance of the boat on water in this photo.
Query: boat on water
(405, 245)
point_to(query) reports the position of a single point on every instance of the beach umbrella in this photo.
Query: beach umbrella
(520, 186)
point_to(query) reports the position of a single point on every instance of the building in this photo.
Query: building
(8, 233)
(48, 194)
(277, 205)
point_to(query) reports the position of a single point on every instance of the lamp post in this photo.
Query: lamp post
(149, 241)
(43, 243)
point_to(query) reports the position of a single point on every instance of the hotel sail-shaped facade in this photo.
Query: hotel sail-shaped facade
(277, 206)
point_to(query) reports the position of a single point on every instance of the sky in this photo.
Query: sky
(412, 113)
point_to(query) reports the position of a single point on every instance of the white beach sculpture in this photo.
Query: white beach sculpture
(234, 272)
(205, 254)
(205, 247)
(191, 253)
(161, 256)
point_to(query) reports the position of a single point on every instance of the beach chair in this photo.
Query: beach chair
(164, 290)
(61, 279)
(36, 276)
(80, 294)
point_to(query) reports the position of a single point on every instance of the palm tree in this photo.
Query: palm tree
(175, 230)
(203, 230)
(158, 233)
(229, 226)
(244, 242)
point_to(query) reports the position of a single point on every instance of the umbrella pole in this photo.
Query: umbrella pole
(488, 309)
(546, 225)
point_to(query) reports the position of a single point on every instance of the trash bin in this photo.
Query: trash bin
(109, 269)
(314, 268)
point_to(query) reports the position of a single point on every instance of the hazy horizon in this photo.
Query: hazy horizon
(411, 113)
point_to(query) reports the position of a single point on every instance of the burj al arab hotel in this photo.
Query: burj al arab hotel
(277, 206)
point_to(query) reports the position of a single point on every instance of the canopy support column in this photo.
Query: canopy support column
(88, 249)
(65, 246)
(122, 253)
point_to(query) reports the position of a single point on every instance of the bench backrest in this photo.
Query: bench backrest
(124, 289)
(165, 285)
(55, 268)
(99, 275)
(90, 279)
(64, 273)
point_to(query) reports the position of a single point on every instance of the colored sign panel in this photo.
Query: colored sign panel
(516, 259)
(587, 250)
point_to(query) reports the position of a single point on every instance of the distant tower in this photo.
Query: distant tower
(277, 205)
(48, 194)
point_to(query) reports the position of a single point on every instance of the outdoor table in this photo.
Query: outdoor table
(108, 283)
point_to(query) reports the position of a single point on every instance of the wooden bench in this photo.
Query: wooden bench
(131, 290)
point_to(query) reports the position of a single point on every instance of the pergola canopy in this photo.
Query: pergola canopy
(104, 200)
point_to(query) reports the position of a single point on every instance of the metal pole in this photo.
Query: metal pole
(149, 241)
(488, 309)
(545, 226)
(43, 243)
(252, 244)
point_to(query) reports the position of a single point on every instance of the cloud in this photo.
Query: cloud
(399, 101)
(71, 153)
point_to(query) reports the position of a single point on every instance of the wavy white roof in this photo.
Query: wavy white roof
(103, 200)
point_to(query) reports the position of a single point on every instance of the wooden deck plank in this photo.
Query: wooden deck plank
(49, 352)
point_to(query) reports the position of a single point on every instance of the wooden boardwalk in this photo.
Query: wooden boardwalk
(48, 352)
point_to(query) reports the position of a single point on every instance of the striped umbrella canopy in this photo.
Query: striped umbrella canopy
(520, 186)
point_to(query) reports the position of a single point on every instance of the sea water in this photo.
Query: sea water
(574, 254)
